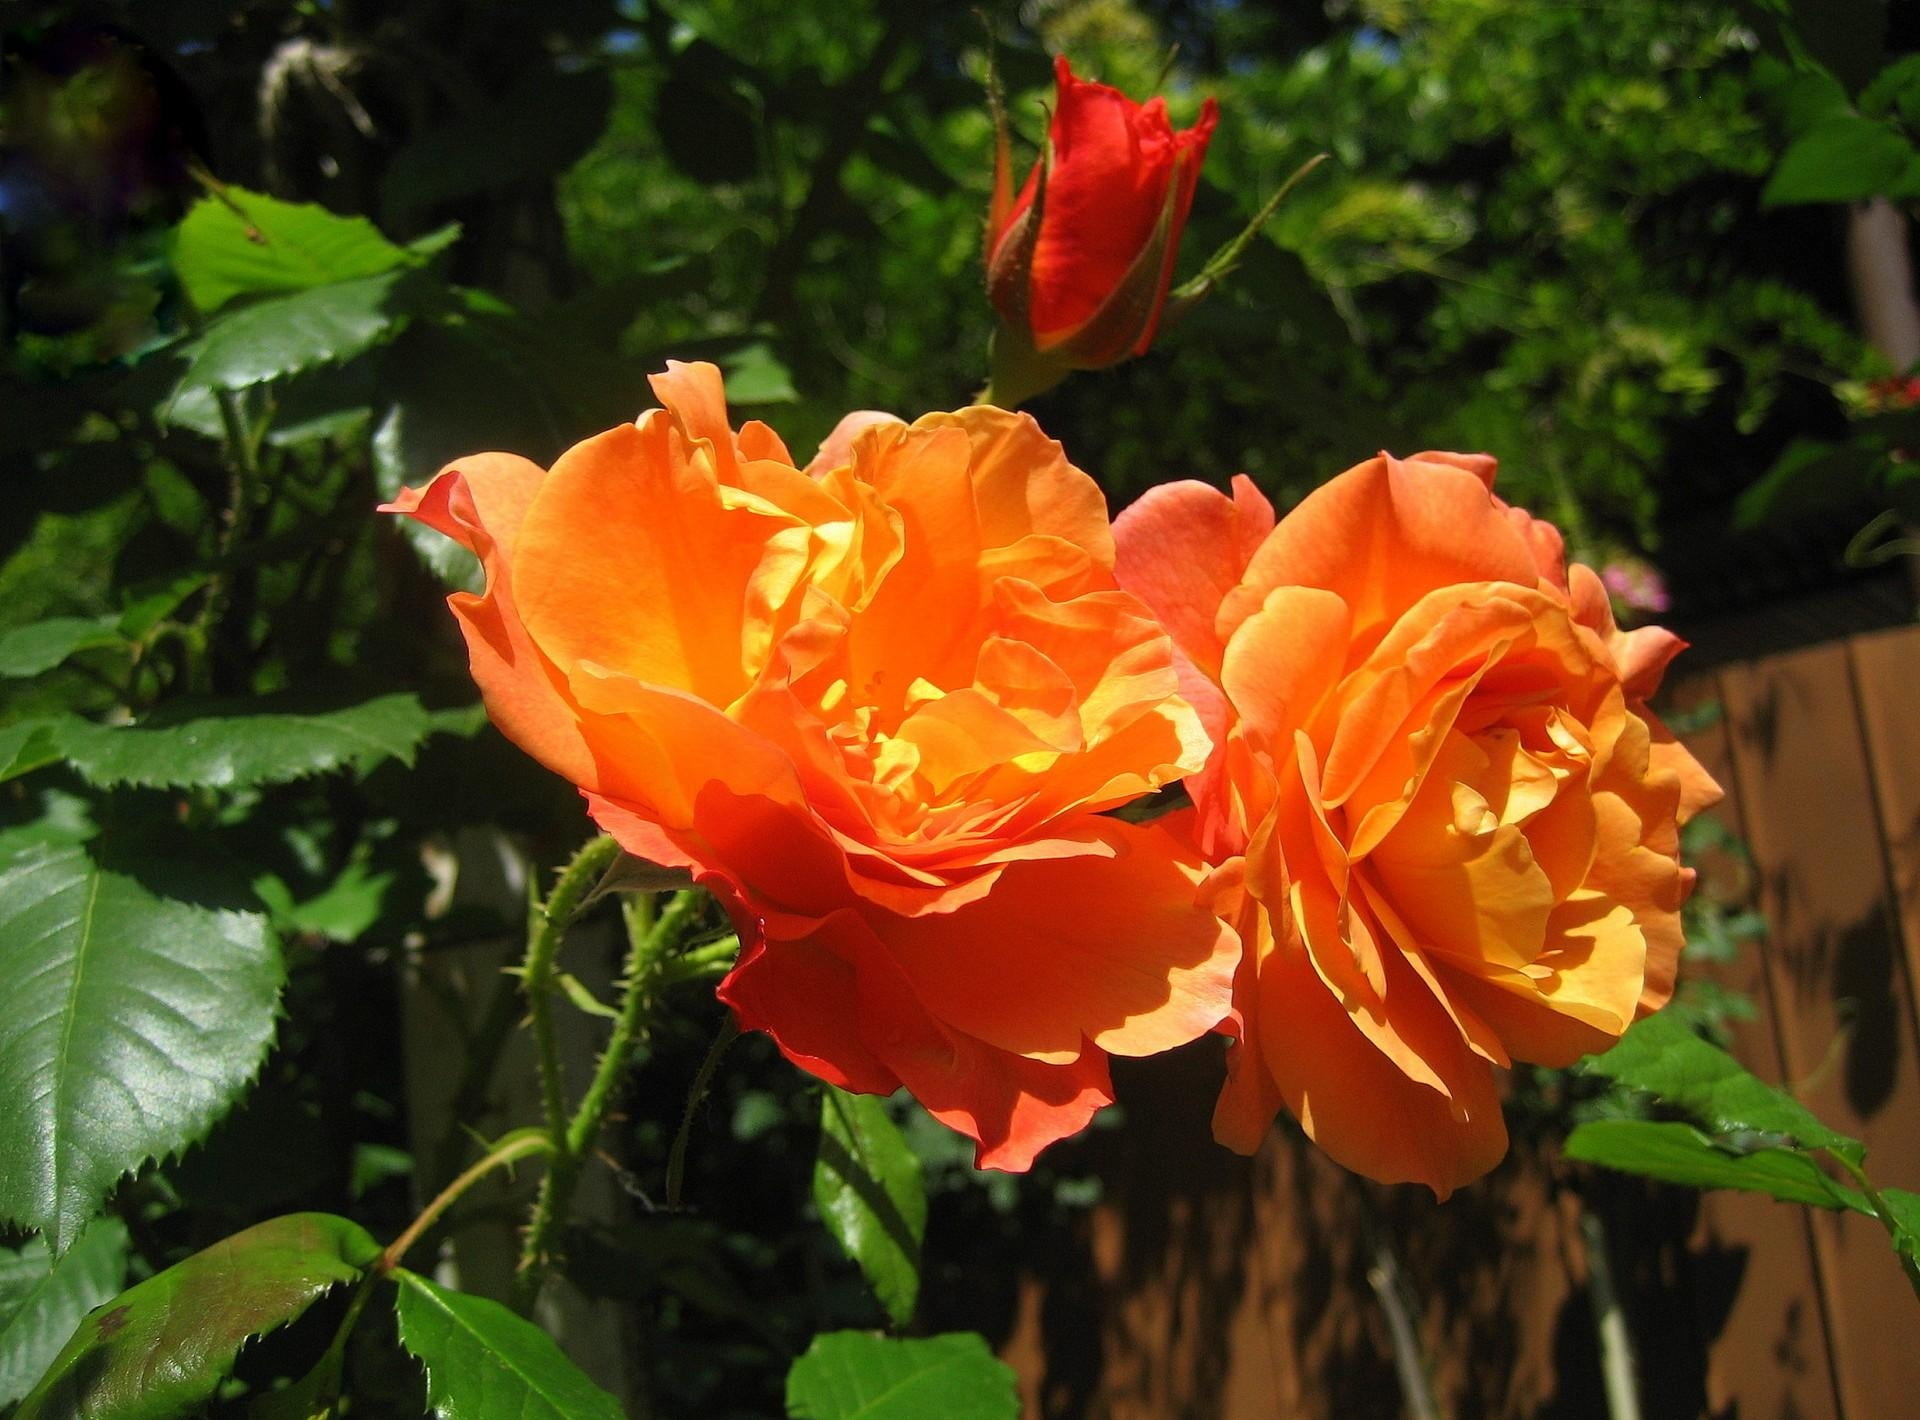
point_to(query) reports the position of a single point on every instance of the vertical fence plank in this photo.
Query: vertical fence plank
(1839, 983)
(1886, 667)
(1767, 1351)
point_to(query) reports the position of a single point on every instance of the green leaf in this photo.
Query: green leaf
(161, 1348)
(132, 1023)
(1675, 1152)
(148, 605)
(42, 1301)
(1904, 1208)
(344, 910)
(1895, 90)
(245, 244)
(236, 744)
(483, 1362)
(42, 645)
(868, 1186)
(1844, 158)
(755, 375)
(283, 336)
(1662, 1057)
(27, 745)
(852, 1375)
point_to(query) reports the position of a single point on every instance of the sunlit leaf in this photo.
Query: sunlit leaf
(133, 1021)
(868, 1186)
(228, 745)
(283, 336)
(1662, 1057)
(243, 243)
(485, 1363)
(159, 1349)
(1675, 1152)
(42, 1301)
(853, 1375)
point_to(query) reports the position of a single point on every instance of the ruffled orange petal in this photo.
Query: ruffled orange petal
(480, 502)
(1381, 536)
(1023, 484)
(1010, 1106)
(1361, 1106)
(1181, 548)
(1118, 950)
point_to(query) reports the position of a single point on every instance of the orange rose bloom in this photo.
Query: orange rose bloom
(877, 705)
(1455, 820)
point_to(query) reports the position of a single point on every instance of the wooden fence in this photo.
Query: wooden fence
(1207, 1287)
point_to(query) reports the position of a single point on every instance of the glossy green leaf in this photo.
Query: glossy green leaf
(1675, 1152)
(1845, 158)
(283, 336)
(1662, 1057)
(485, 1363)
(133, 1021)
(854, 1375)
(245, 243)
(162, 1347)
(235, 744)
(868, 1186)
(41, 645)
(43, 1301)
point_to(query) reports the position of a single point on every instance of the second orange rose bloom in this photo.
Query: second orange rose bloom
(1450, 822)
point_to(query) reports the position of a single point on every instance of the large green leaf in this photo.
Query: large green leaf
(42, 645)
(485, 1363)
(867, 1184)
(232, 745)
(1845, 158)
(133, 1020)
(162, 1347)
(1662, 1057)
(244, 243)
(42, 1301)
(1676, 1152)
(283, 336)
(853, 1375)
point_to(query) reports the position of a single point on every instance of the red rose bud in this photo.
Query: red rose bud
(1078, 265)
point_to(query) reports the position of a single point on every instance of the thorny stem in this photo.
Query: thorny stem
(647, 960)
(549, 924)
(648, 956)
(518, 1145)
